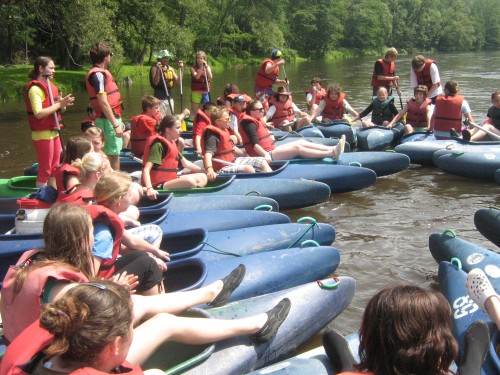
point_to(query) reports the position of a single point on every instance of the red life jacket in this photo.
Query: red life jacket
(417, 114)
(388, 69)
(111, 88)
(21, 309)
(225, 151)
(142, 127)
(263, 135)
(200, 84)
(317, 95)
(102, 214)
(61, 172)
(169, 164)
(448, 113)
(334, 109)
(26, 351)
(238, 114)
(284, 111)
(201, 120)
(424, 76)
(262, 79)
(77, 197)
(48, 122)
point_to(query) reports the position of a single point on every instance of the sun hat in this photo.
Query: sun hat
(276, 54)
(162, 53)
(281, 91)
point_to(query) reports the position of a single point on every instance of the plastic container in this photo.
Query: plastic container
(30, 215)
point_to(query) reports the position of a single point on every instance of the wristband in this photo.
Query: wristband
(210, 168)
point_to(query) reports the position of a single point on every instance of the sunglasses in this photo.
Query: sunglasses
(259, 109)
(226, 119)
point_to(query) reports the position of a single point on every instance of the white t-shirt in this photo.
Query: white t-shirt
(434, 77)
(272, 110)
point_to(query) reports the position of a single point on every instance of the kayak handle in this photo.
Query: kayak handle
(393, 151)
(253, 192)
(457, 151)
(457, 261)
(329, 285)
(263, 207)
(307, 218)
(310, 242)
(450, 232)
(355, 164)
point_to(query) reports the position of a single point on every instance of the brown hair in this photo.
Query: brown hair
(421, 88)
(496, 94)
(452, 87)
(335, 87)
(40, 62)
(94, 131)
(407, 330)
(86, 319)
(66, 233)
(166, 122)
(112, 187)
(98, 52)
(417, 62)
(149, 101)
(251, 106)
(230, 88)
(391, 52)
(76, 148)
(315, 80)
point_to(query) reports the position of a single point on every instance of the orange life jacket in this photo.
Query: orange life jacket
(317, 95)
(201, 120)
(103, 214)
(284, 111)
(21, 309)
(334, 109)
(388, 70)
(111, 89)
(448, 113)
(61, 172)
(200, 84)
(46, 123)
(225, 151)
(142, 127)
(27, 350)
(76, 197)
(417, 114)
(264, 80)
(263, 135)
(424, 76)
(169, 164)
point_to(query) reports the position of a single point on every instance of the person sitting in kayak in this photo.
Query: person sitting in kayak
(333, 106)
(229, 89)
(492, 123)
(237, 106)
(161, 161)
(382, 109)
(418, 112)
(283, 112)
(483, 294)
(219, 151)
(200, 121)
(258, 141)
(446, 121)
(43, 277)
(314, 95)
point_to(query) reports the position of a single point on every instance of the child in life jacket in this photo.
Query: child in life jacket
(492, 123)
(314, 95)
(283, 112)
(382, 109)
(446, 121)
(96, 137)
(200, 121)
(90, 120)
(334, 106)
(418, 112)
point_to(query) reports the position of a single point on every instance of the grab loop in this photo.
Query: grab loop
(393, 151)
(457, 261)
(309, 242)
(307, 218)
(450, 232)
(312, 224)
(253, 192)
(219, 251)
(263, 207)
(329, 285)
(355, 164)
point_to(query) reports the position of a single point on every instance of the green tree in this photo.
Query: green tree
(457, 27)
(486, 18)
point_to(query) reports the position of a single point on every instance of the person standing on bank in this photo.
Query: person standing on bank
(425, 72)
(384, 72)
(201, 75)
(161, 85)
(106, 101)
(44, 107)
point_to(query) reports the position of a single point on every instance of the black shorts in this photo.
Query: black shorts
(139, 263)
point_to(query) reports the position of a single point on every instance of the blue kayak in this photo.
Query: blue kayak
(471, 164)
(290, 267)
(337, 129)
(465, 312)
(340, 178)
(497, 176)
(313, 306)
(487, 222)
(378, 138)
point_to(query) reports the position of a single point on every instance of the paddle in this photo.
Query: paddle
(181, 73)
(490, 133)
(399, 94)
(166, 90)
(206, 80)
(286, 79)
(55, 112)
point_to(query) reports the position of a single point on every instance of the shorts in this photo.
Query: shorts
(150, 233)
(165, 108)
(255, 162)
(113, 144)
(199, 98)
(139, 263)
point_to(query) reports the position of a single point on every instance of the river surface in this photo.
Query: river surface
(382, 231)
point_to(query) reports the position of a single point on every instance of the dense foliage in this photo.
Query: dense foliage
(238, 29)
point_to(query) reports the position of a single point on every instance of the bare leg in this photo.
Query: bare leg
(114, 161)
(187, 181)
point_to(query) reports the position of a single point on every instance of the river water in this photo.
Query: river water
(382, 231)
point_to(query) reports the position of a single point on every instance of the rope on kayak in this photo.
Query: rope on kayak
(219, 251)
(311, 225)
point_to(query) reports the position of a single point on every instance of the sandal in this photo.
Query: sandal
(479, 287)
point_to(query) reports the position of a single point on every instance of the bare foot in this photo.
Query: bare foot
(339, 148)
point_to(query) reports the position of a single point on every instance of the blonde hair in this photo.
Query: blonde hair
(94, 132)
(90, 163)
(110, 188)
(391, 52)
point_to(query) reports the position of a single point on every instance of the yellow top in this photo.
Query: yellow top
(37, 96)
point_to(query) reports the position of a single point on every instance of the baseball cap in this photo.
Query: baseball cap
(276, 54)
